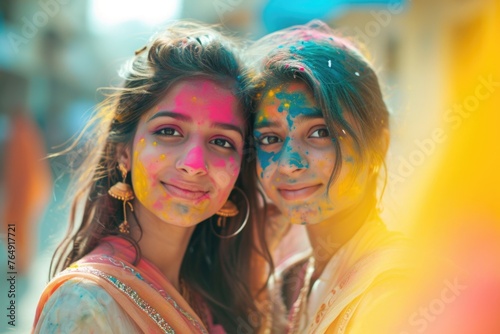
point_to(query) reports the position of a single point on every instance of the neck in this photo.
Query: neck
(161, 243)
(327, 237)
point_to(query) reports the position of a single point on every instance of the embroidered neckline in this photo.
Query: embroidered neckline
(132, 294)
(118, 263)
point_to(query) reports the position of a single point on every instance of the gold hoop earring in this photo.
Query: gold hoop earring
(123, 192)
(231, 210)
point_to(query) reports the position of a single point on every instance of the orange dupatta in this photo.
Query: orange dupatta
(147, 297)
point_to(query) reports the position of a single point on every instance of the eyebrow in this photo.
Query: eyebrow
(315, 114)
(172, 114)
(186, 118)
(227, 126)
(265, 124)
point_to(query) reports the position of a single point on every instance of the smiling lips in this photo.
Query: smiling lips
(186, 191)
(297, 192)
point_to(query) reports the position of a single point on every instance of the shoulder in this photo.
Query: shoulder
(80, 305)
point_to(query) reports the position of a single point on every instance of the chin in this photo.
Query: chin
(302, 215)
(183, 218)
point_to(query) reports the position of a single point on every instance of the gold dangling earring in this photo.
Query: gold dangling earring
(229, 209)
(123, 192)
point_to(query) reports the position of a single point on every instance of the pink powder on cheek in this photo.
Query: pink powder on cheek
(219, 163)
(235, 171)
(158, 205)
(233, 168)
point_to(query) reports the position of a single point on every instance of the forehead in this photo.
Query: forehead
(202, 98)
(296, 92)
(198, 85)
(288, 101)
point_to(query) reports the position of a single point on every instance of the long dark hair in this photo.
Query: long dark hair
(217, 269)
(340, 79)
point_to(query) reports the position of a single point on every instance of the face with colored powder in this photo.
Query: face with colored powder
(187, 152)
(296, 157)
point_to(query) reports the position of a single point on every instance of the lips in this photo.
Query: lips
(186, 191)
(297, 192)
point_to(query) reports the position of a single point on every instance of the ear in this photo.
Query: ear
(124, 155)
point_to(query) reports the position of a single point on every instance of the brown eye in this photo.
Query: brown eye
(268, 140)
(320, 133)
(168, 132)
(222, 142)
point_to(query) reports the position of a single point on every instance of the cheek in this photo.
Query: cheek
(225, 173)
(140, 178)
(325, 164)
(351, 183)
(145, 166)
(266, 162)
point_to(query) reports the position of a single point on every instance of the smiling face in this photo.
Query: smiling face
(187, 152)
(296, 157)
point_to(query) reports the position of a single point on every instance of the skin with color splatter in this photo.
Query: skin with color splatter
(296, 157)
(186, 153)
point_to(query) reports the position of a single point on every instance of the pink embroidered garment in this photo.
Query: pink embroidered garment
(104, 292)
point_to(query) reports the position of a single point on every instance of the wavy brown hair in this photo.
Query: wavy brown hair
(217, 269)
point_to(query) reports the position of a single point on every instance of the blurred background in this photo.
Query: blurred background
(437, 62)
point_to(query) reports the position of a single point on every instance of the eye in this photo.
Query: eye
(268, 140)
(320, 133)
(222, 143)
(168, 132)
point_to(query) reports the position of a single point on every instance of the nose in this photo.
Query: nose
(193, 162)
(291, 160)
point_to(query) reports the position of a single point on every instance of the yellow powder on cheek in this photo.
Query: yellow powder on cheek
(349, 185)
(139, 179)
(164, 215)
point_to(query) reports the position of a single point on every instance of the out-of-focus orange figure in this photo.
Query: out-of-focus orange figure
(28, 183)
